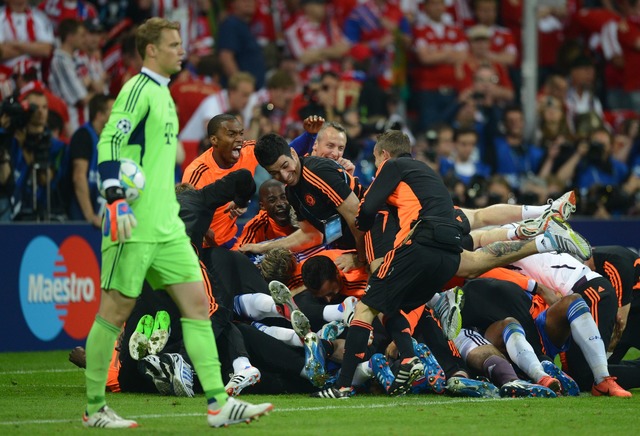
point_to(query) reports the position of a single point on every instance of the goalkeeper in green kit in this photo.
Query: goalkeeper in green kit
(147, 239)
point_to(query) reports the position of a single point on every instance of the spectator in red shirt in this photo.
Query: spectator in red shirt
(503, 47)
(58, 10)
(439, 47)
(316, 40)
(629, 37)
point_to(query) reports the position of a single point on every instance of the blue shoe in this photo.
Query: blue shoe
(466, 387)
(569, 385)
(381, 371)
(521, 388)
(421, 386)
(432, 369)
(331, 330)
(314, 360)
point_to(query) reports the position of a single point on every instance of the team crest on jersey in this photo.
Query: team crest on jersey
(309, 199)
(124, 125)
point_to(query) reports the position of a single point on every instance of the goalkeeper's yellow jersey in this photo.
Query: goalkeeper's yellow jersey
(143, 126)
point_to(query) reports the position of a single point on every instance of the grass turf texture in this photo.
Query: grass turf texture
(42, 393)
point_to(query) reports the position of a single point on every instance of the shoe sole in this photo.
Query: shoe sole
(455, 313)
(569, 385)
(583, 248)
(300, 323)
(481, 390)
(145, 325)
(157, 341)
(179, 386)
(533, 392)
(432, 369)
(138, 345)
(282, 295)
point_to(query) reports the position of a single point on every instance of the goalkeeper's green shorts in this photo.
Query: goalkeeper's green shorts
(126, 266)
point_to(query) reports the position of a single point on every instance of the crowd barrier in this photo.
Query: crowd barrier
(50, 279)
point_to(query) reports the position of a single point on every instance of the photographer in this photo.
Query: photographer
(40, 160)
(598, 167)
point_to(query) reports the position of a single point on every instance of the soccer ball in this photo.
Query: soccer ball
(132, 180)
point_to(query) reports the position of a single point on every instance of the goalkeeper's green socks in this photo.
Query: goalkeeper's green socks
(99, 349)
(203, 352)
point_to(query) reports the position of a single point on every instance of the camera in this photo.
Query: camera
(17, 114)
(478, 96)
(39, 144)
(267, 109)
(596, 152)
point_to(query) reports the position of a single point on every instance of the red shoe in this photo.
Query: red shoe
(609, 388)
(551, 383)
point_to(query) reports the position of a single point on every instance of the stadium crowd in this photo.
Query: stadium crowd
(446, 72)
(355, 127)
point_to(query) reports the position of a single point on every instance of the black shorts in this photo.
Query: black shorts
(409, 276)
(489, 300)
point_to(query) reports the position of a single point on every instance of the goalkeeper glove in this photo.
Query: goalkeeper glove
(119, 218)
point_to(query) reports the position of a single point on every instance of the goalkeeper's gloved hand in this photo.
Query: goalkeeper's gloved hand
(119, 218)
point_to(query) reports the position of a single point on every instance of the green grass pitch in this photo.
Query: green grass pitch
(42, 393)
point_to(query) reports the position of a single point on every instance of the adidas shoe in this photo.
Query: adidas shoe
(160, 373)
(139, 340)
(408, 372)
(107, 418)
(569, 385)
(521, 388)
(331, 330)
(563, 239)
(448, 310)
(609, 388)
(533, 227)
(160, 333)
(300, 323)
(564, 205)
(333, 392)
(236, 411)
(432, 370)
(466, 387)
(181, 374)
(243, 379)
(348, 309)
(314, 360)
(381, 371)
(282, 297)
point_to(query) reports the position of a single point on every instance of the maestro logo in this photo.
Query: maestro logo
(59, 287)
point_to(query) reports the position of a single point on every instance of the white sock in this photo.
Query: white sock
(255, 306)
(512, 234)
(587, 337)
(362, 374)
(240, 363)
(288, 336)
(521, 352)
(543, 245)
(529, 211)
(332, 312)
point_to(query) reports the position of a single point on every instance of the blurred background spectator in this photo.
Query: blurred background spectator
(446, 72)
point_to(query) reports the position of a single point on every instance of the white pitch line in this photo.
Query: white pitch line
(342, 405)
(39, 371)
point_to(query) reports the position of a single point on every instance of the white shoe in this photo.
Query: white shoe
(138, 345)
(107, 418)
(563, 239)
(300, 323)
(236, 411)
(348, 307)
(158, 372)
(448, 310)
(181, 374)
(564, 205)
(245, 378)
